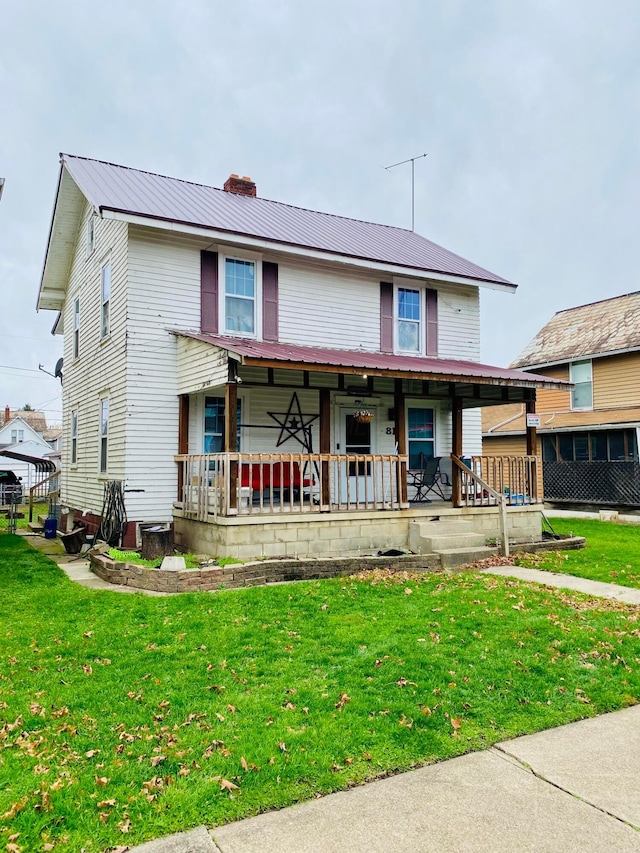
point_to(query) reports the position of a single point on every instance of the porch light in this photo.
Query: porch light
(363, 416)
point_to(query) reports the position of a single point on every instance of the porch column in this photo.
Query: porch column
(401, 439)
(231, 438)
(456, 449)
(183, 439)
(325, 445)
(532, 449)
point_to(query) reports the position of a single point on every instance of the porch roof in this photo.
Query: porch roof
(298, 357)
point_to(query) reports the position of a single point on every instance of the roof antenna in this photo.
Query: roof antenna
(411, 160)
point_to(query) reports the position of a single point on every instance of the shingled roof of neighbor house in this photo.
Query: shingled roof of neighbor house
(118, 189)
(599, 328)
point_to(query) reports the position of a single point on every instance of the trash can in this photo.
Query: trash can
(50, 528)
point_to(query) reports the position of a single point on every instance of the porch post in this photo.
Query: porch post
(325, 445)
(456, 449)
(183, 439)
(532, 449)
(401, 439)
(231, 438)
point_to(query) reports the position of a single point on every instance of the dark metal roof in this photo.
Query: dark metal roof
(129, 191)
(599, 328)
(252, 352)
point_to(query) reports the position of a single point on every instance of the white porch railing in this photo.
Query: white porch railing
(227, 484)
(515, 477)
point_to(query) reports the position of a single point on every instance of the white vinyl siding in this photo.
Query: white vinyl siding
(164, 294)
(330, 308)
(200, 365)
(458, 322)
(100, 371)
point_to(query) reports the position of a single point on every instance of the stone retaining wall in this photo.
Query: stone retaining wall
(249, 574)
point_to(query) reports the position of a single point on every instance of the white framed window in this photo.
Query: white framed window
(409, 319)
(214, 420)
(17, 435)
(76, 327)
(74, 437)
(104, 435)
(105, 296)
(580, 373)
(91, 241)
(241, 295)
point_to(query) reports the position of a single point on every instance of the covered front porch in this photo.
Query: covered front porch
(291, 432)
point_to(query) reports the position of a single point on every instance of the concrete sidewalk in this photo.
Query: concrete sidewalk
(574, 788)
(557, 579)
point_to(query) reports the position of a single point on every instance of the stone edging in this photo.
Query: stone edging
(249, 574)
(261, 572)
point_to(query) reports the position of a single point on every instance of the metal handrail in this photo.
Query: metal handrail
(498, 497)
(47, 479)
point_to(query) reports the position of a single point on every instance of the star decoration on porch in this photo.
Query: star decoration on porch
(294, 424)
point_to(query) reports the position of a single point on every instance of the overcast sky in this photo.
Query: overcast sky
(529, 111)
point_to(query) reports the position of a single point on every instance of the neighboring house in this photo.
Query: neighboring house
(23, 447)
(588, 434)
(257, 374)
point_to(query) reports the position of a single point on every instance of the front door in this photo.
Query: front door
(355, 440)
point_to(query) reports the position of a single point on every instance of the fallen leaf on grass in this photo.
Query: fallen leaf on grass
(226, 785)
(15, 808)
(158, 759)
(101, 781)
(342, 701)
(91, 752)
(124, 825)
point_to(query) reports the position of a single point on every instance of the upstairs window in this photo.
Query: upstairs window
(581, 375)
(90, 235)
(240, 296)
(409, 323)
(104, 435)
(17, 435)
(105, 295)
(76, 328)
(74, 437)
(214, 424)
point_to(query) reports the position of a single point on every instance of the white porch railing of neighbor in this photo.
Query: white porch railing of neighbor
(227, 484)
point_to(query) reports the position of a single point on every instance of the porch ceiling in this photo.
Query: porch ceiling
(315, 359)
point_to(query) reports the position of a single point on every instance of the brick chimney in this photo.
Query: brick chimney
(7, 414)
(240, 185)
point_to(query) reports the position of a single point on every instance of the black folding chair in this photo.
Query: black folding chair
(428, 478)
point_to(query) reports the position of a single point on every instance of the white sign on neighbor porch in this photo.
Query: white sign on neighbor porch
(533, 419)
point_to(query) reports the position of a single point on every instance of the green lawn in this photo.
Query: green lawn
(125, 717)
(612, 552)
(38, 509)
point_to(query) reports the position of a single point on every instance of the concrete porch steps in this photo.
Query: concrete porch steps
(461, 556)
(455, 541)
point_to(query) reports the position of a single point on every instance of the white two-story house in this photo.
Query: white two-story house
(265, 378)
